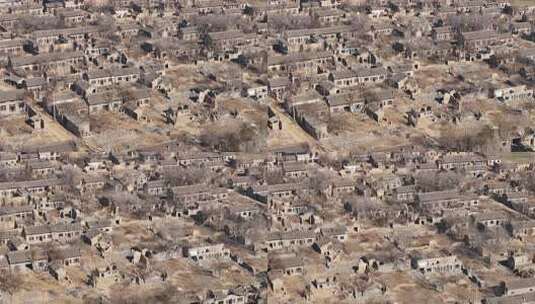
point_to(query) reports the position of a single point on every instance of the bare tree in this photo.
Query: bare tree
(9, 283)
(438, 181)
(464, 139)
(182, 176)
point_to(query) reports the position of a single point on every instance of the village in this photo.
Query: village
(267, 151)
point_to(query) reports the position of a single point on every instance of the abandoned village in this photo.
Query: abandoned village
(267, 151)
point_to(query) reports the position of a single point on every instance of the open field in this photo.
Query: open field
(523, 2)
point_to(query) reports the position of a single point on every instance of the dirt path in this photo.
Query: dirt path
(52, 127)
(291, 132)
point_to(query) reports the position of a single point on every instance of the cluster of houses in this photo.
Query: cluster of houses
(281, 222)
(290, 223)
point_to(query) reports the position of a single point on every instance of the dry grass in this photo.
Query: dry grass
(523, 3)
(16, 132)
(115, 131)
(290, 134)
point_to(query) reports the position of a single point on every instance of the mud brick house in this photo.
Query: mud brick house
(524, 28)
(198, 159)
(65, 62)
(489, 220)
(8, 21)
(207, 7)
(520, 262)
(295, 170)
(342, 186)
(289, 8)
(108, 77)
(520, 229)
(484, 38)
(229, 40)
(46, 41)
(103, 225)
(172, 49)
(278, 86)
(12, 103)
(443, 33)
(266, 193)
(52, 232)
(460, 161)
(519, 287)
(73, 16)
(198, 192)
(519, 298)
(41, 168)
(156, 187)
(338, 233)
(344, 78)
(206, 253)
(104, 102)
(127, 30)
(12, 47)
(10, 189)
(93, 182)
(297, 40)
(347, 102)
(8, 159)
(515, 93)
(287, 264)
(295, 153)
(440, 200)
(16, 214)
(329, 16)
(431, 263)
(51, 202)
(286, 207)
(226, 297)
(26, 260)
(67, 256)
(190, 33)
(372, 75)
(289, 239)
(300, 63)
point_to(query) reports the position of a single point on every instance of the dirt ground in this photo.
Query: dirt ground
(291, 132)
(523, 2)
(15, 131)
